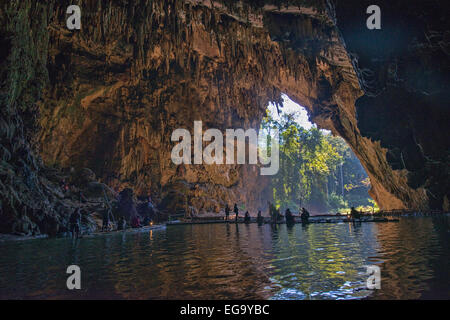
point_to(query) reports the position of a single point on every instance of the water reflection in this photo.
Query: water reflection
(416, 259)
(224, 261)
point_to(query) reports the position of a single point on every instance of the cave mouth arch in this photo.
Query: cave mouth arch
(345, 183)
(111, 98)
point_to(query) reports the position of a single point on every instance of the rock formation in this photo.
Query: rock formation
(108, 97)
(404, 70)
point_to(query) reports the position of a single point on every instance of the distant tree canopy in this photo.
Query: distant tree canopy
(317, 170)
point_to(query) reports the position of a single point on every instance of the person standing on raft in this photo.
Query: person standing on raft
(75, 221)
(274, 214)
(247, 217)
(227, 212)
(354, 214)
(288, 216)
(105, 218)
(236, 212)
(259, 217)
(135, 221)
(305, 215)
(122, 224)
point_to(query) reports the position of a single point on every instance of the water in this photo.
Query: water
(318, 261)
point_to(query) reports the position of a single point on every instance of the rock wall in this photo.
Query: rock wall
(404, 70)
(135, 73)
(110, 95)
(23, 54)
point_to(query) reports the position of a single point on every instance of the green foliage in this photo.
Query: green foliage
(337, 202)
(374, 205)
(317, 170)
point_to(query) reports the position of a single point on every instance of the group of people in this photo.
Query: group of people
(235, 210)
(290, 218)
(126, 210)
(274, 215)
(236, 213)
(135, 220)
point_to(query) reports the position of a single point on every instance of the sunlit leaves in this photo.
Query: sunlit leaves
(310, 166)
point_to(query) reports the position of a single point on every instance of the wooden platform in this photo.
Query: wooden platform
(128, 230)
(312, 220)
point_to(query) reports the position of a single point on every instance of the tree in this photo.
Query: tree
(314, 168)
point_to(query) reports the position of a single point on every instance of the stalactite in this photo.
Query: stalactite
(163, 68)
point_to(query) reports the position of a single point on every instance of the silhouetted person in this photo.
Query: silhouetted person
(150, 206)
(82, 197)
(289, 217)
(75, 223)
(247, 217)
(279, 216)
(146, 221)
(236, 212)
(146, 208)
(227, 212)
(135, 222)
(259, 217)
(122, 224)
(274, 214)
(127, 205)
(305, 215)
(354, 214)
(105, 218)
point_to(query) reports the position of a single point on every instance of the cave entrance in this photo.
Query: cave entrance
(318, 171)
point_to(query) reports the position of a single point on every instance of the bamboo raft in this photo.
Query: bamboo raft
(127, 230)
(312, 220)
(411, 213)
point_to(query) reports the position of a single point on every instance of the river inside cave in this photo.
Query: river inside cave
(228, 261)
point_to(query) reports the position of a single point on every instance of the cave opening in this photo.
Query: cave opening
(317, 169)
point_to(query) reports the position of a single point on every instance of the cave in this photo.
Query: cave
(107, 97)
(321, 172)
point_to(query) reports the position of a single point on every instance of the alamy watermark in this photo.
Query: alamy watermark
(374, 279)
(374, 20)
(73, 22)
(74, 280)
(261, 146)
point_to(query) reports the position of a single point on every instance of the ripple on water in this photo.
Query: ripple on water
(321, 261)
